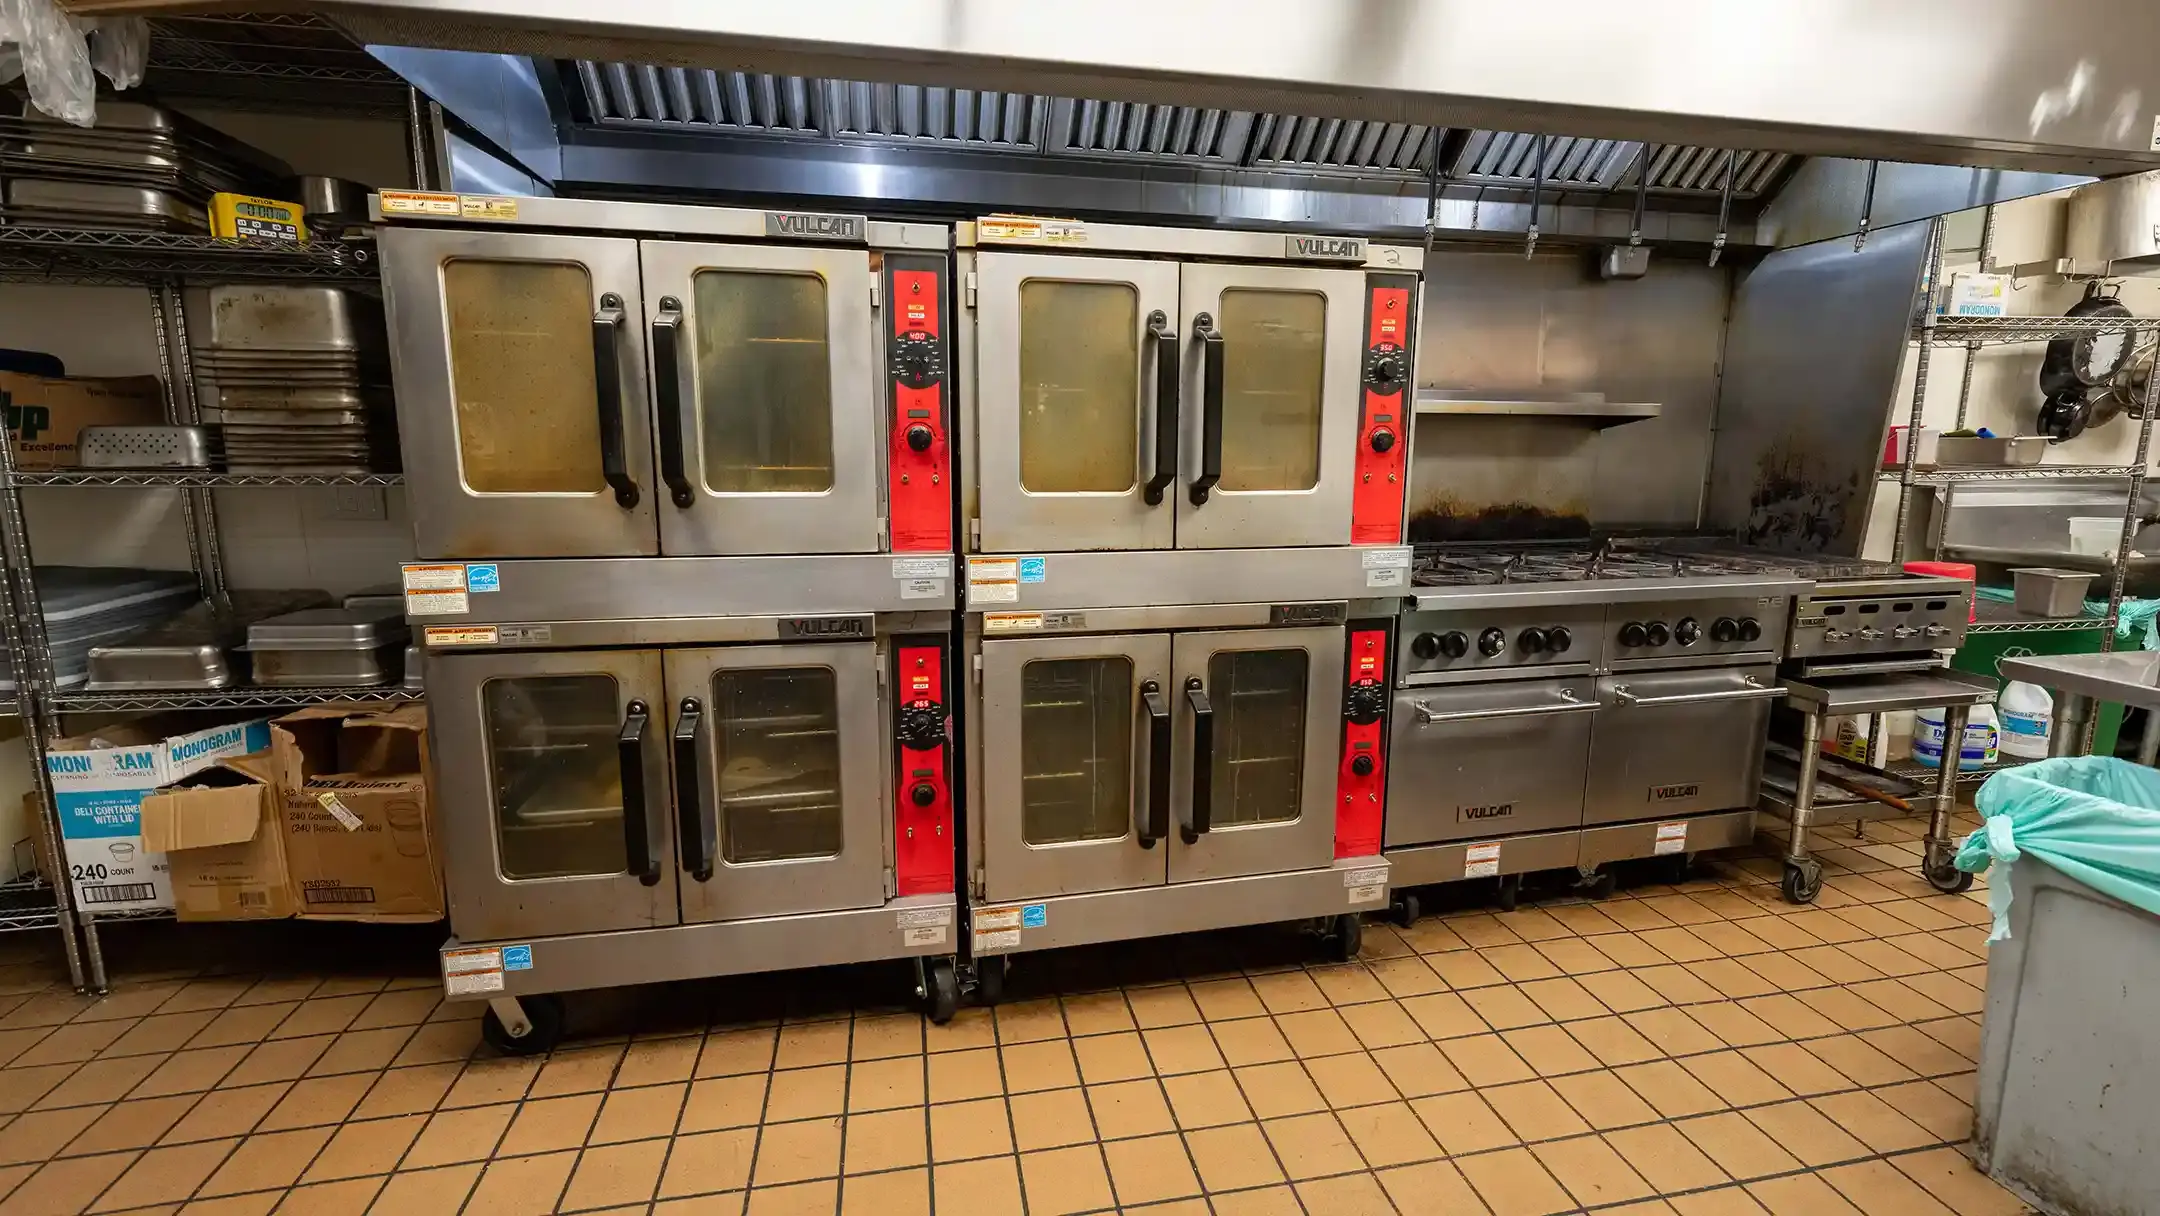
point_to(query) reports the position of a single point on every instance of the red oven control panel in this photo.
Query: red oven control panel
(922, 811)
(919, 473)
(1388, 409)
(1361, 778)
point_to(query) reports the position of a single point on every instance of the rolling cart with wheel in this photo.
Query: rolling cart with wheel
(1796, 794)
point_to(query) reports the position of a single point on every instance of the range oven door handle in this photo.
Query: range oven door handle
(667, 390)
(1753, 690)
(1158, 772)
(637, 829)
(1165, 341)
(693, 825)
(607, 330)
(1211, 407)
(1568, 703)
(1203, 760)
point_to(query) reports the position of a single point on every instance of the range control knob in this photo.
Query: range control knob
(1364, 702)
(1558, 639)
(1454, 644)
(1382, 439)
(1687, 632)
(1530, 641)
(922, 794)
(1633, 634)
(1491, 642)
(922, 725)
(1750, 629)
(1724, 629)
(1425, 646)
(1656, 634)
(1361, 764)
(919, 437)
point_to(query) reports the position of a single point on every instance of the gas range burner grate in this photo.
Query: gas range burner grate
(1444, 566)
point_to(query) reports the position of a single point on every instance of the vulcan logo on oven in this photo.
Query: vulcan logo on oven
(1669, 793)
(792, 628)
(821, 227)
(1479, 814)
(1328, 248)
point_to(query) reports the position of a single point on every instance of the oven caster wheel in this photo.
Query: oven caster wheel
(1679, 867)
(1510, 891)
(1603, 885)
(942, 991)
(1946, 877)
(990, 980)
(1345, 934)
(1803, 882)
(1405, 910)
(532, 1026)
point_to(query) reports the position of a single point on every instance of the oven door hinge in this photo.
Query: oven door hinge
(975, 534)
(892, 886)
(877, 292)
(978, 669)
(968, 289)
(982, 884)
(881, 676)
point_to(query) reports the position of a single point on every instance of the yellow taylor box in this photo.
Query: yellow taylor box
(255, 219)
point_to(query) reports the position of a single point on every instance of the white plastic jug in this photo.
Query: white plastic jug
(1979, 744)
(2028, 715)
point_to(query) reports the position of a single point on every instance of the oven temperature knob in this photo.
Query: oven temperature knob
(1724, 629)
(1530, 641)
(1382, 439)
(1385, 369)
(922, 726)
(923, 794)
(1687, 632)
(1633, 634)
(919, 437)
(1425, 646)
(1491, 642)
(1454, 644)
(1656, 633)
(1750, 630)
(1361, 765)
(1558, 639)
(1364, 702)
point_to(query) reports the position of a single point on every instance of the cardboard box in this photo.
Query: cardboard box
(99, 781)
(359, 839)
(45, 417)
(224, 842)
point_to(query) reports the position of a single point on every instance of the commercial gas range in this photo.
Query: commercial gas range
(1562, 705)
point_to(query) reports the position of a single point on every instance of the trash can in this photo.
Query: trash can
(2067, 1112)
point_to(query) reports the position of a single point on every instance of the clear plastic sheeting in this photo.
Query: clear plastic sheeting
(2094, 818)
(60, 57)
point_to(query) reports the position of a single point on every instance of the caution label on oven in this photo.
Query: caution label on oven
(460, 635)
(993, 580)
(1671, 838)
(1481, 861)
(1388, 567)
(1012, 622)
(418, 202)
(1032, 231)
(435, 590)
(466, 972)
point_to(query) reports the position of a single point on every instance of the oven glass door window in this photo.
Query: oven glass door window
(521, 371)
(764, 382)
(1258, 766)
(1079, 396)
(778, 736)
(552, 761)
(1076, 743)
(1274, 363)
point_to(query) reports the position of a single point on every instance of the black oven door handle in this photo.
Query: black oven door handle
(1203, 759)
(1158, 772)
(1568, 703)
(607, 330)
(667, 390)
(1751, 690)
(693, 822)
(637, 827)
(1211, 389)
(1165, 341)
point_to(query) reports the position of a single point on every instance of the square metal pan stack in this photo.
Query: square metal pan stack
(142, 167)
(296, 376)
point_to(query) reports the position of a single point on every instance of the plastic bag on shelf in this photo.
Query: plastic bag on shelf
(55, 59)
(119, 48)
(2095, 818)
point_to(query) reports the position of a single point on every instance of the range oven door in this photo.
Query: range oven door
(1273, 375)
(521, 393)
(1674, 743)
(1259, 730)
(553, 778)
(1076, 737)
(767, 428)
(779, 779)
(1076, 402)
(1475, 761)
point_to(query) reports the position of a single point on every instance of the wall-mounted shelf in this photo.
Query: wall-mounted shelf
(1590, 410)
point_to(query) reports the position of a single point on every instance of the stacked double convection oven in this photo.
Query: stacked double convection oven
(1183, 460)
(682, 488)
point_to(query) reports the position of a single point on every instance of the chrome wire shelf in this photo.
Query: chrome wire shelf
(61, 255)
(126, 914)
(1999, 331)
(2035, 472)
(1996, 617)
(27, 903)
(203, 481)
(223, 698)
(1925, 775)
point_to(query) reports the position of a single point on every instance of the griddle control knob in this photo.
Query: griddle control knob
(923, 794)
(919, 437)
(1724, 629)
(1687, 632)
(1633, 634)
(1530, 641)
(1425, 646)
(1364, 702)
(1656, 634)
(1558, 639)
(1454, 644)
(1382, 440)
(1491, 642)
(922, 725)
(1361, 765)
(1750, 629)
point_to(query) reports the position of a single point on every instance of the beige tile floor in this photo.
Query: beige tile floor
(1700, 1051)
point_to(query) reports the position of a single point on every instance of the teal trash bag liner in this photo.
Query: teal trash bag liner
(2095, 818)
